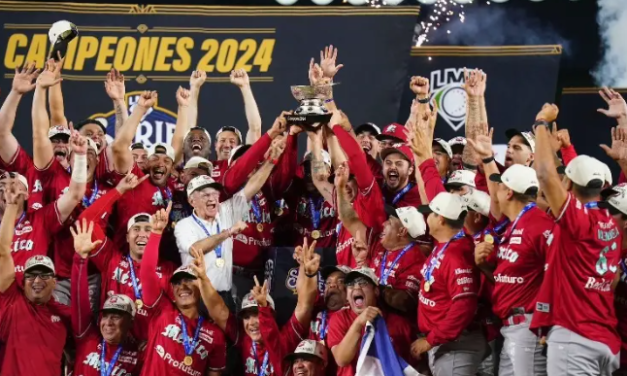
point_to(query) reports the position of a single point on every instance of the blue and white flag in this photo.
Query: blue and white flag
(377, 356)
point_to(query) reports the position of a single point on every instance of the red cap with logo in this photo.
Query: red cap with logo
(394, 131)
(399, 148)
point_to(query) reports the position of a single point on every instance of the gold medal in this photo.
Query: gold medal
(259, 227)
(322, 342)
(139, 303)
(427, 286)
(188, 360)
(220, 262)
(488, 239)
(278, 212)
(315, 234)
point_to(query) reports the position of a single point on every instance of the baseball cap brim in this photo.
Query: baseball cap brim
(510, 133)
(293, 356)
(115, 310)
(425, 209)
(356, 274)
(215, 185)
(385, 152)
(561, 170)
(368, 128)
(391, 211)
(239, 152)
(387, 137)
(328, 270)
(138, 145)
(180, 274)
(448, 186)
(331, 178)
(90, 121)
(39, 267)
(496, 178)
(607, 192)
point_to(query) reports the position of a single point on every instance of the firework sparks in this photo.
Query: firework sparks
(444, 11)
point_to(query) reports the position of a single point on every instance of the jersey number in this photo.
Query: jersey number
(601, 266)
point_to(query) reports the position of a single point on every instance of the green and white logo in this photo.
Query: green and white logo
(448, 93)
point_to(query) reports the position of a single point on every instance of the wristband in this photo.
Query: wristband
(311, 275)
(273, 161)
(328, 100)
(541, 122)
(79, 172)
(488, 160)
(468, 166)
(424, 101)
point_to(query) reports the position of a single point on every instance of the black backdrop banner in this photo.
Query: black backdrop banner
(520, 80)
(158, 46)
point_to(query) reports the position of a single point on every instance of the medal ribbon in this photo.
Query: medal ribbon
(94, 192)
(624, 268)
(218, 249)
(190, 344)
(315, 214)
(324, 328)
(138, 293)
(494, 231)
(20, 220)
(104, 370)
(260, 371)
(402, 193)
(435, 257)
(385, 273)
(254, 205)
(527, 207)
(591, 205)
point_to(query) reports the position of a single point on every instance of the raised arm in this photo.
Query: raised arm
(319, 173)
(218, 310)
(239, 78)
(307, 281)
(196, 80)
(356, 158)
(151, 288)
(210, 243)
(70, 199)
(22, 84)
(347, 214)
(482, 147)
(55, 99)
(475, 89)
(256, 182)
(618, 149)
(284, 172)
(617, 107)
(348, 348)
(7, 227)
(182, 124)
(42, 146)
(122, 156)
(114, 86)
(544, 163)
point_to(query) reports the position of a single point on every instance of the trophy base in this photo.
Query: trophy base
(307, 122)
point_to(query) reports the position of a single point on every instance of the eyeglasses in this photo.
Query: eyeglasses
(7, 175)
(359, 282)
(43, 276)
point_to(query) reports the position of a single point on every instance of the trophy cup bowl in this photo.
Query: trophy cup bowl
(61, 34)
(311, 113)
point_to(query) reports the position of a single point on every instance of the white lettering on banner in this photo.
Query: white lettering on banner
(174, 332)
(601, 285)
(463, 271)
(464, 281)
(426, 301)
(518, 231)
(55, 318)
(340, 247)
(93, 360)
(508, 279)
(515, 240)
(22, 245)
(505, 253)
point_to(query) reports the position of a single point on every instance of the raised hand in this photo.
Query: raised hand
(160, 219)
(182, 97)
(260, 293)
(341, 175)
(147, 99)
(327, 62)
(277, 149)
(238, 227)
(474, 82)
(114, 85)
(368, 315)
(239, 78)
(482, 144)
(422, 133)
(482, 252)
(82, 238)
(618, 151)
(279, 126)
(23, 80)
(130, 182)
(51, 74)
(197, 79)
(564, 138)
(12, 194)
(419, 86)
(359, 249)
(548, 113)
(315, 73)
(198, 264)
(78, 143)
(311, 260)
(617, 107)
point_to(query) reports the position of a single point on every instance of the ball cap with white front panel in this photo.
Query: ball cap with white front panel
(461, 178)
(309, 349)
(477, 201)
(586, 171)
(182, 272)
(411, 219)
(138, 218)
(14, 175)
(447, 205)
(249, 302)
(39, 262)
(520, 179)
(120, 303)
(459, 140)
(364, 272)
(59, 130)
(368, 127)
(200, 182)
(161, 148)
(528, 137)
(199, 162)
(615, 199)
(444, 145)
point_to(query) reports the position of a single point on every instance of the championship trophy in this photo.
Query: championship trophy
(311, 113)
(61, 34)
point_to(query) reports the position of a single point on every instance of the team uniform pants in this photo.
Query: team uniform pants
(490, 365)
(522, 353)
(573, 355)
(459, 358)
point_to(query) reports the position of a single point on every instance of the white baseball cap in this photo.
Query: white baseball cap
(520, 179)
(138, 218)
(412, 220)
(120, 303)
(229, 128)
(368, 127)
(447, 205)
(309, 349)
(460, 178)
(200, 182)
(587, 171)
(199, 162)
(478, 201)
(14, 175)
(326, 158)
(615, 199)
(529, 138)
(39, 261)
(459, 140)
(161, 148)
(444, 145)
(362, 272)
(59, 130)
(183, 271)
(249, 302)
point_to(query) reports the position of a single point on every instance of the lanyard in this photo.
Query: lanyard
(434, 259)
(385, 273)
(624, 267)
(20, 220)
(94, 192)
(254, 204)
(190, 343)
(324, 328)
(260, 371)
(218, 249)
(400, 194)
(104, 370)
(494, 231)
(338, 228)
(315, 214)
(527, 207)
(591, 205)
(138, 293)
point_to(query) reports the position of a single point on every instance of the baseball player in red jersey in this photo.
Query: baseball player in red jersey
(580, 267)
(448, 294)
(366, 135)
(392, 134)
(398, 167)
(309, 359)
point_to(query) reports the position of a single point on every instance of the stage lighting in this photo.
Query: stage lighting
(286, 2)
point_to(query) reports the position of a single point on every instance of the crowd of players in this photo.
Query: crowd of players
(120, 259)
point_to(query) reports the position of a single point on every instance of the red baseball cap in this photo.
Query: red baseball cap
(399, 148)
(394, 132)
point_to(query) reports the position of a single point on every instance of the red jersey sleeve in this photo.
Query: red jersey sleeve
(431, 177)
(573, 217)
(48, 218)
(232, 329)
(279, 343)
(235, 177)
(622, 178)
(151, 288)
(21, 162)
(338, 327)
(568, 154)
(217, 353)
(81, 310)
(285, 170)
(7, 299)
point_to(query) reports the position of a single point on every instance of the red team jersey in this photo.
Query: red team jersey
(620, 300)
(519, 263)
(581, 266)
(165, 352)
(248, 245)
(33, 336)
(89, 351)
(304, 225)
(406, 273)
(219, 167)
